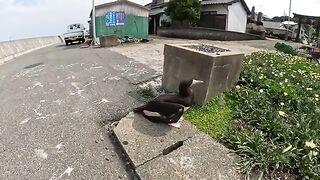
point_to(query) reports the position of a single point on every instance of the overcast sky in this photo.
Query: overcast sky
(32, 18)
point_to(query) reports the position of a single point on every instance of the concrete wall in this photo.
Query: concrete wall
(206, 33)
(12, 49)
(237, 18)
(134, 26)
(219, 8)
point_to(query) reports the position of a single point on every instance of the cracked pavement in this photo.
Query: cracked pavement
(54, 104)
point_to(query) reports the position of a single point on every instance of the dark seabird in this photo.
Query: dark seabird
(168, 108)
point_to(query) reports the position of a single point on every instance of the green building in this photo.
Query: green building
(123, 18)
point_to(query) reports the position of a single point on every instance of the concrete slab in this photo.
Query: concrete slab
(143, 140)
(198, 158)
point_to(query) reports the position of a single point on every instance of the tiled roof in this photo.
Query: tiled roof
(209, 2)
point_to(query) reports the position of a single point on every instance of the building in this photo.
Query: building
(123, 18)
(230, 15)
(279, 29)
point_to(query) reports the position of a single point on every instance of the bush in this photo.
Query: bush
(165, 23)
(182, 10)
(282, 47)
(276, 116)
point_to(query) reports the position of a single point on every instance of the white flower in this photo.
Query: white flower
(281, 113)
(315, 153)
(286, 80)
(282, 104)
(310, 144)
(316, 95)
(317, 99)
(261, 90)
(281, 83)
(285, 94)
(237, 86)
(309, 89)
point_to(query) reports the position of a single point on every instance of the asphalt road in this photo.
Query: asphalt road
(53, 105)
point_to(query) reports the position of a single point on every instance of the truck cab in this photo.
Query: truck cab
(75, 32)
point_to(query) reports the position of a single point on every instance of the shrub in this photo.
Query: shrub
(282, 47)
(165, 23)
(276, 116)
(182, 10)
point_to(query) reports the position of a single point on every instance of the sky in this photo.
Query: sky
(33, 18)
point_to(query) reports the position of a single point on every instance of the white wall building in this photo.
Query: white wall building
(230, 15)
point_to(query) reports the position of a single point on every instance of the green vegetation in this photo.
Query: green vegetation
(147, 93)
(165, 23)
(182, 10)
(282, 47)
(271, 119)
(214, 118)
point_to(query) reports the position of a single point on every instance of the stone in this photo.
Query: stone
(198, 158)
(108, 41)
(219, 71)
(143, 140)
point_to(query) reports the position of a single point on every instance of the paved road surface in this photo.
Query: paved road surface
(54, 103)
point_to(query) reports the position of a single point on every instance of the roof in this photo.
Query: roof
(120, 2)
(306, 16)
(228, 2)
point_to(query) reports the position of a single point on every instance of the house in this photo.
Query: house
(230, 15)
(279, 29)
(123, 18)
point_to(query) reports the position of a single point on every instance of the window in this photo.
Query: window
(209, 12)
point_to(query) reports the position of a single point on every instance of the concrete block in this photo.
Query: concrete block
(198, 158)
(143, 140)
(108, 41)
(219, 71)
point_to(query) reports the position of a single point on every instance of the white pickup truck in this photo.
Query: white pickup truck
(75, 32)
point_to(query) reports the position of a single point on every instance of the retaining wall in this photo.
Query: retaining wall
(12, 49)
(206, 33)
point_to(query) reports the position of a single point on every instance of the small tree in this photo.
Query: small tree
(182, 10)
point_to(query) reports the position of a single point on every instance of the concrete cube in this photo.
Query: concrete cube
(218, 70)
(109, 41)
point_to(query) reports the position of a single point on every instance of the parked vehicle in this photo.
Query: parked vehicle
(75, 32)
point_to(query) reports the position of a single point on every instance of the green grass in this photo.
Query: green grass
(213, 118)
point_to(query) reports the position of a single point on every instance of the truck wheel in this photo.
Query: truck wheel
(67, 43)
(83, 40)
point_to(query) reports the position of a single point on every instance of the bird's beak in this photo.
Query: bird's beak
(196, 82)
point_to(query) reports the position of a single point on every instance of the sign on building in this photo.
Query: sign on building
(115, 18)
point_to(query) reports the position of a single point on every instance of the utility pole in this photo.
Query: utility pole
(288, 19)
(93, 19)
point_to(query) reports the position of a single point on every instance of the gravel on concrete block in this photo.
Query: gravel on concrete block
(198, 158)
(206, 48)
